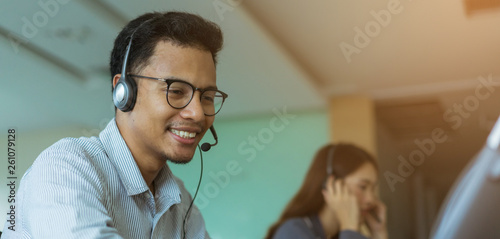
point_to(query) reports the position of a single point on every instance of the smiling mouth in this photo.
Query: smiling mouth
(183, 134)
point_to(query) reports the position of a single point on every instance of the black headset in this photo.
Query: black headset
(329, 163)
(125, 91)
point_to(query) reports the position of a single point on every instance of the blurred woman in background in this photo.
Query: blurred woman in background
(336, 199)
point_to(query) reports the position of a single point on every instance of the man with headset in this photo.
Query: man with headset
(118, 185)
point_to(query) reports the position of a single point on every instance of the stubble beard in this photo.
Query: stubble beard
(176, 161)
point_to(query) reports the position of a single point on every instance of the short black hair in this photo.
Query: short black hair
(179, 28)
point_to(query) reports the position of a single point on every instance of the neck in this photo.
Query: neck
(329, 222)
(149, 165)
(148, 171)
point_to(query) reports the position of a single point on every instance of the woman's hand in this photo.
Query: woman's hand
(343, 203)
(376, 220)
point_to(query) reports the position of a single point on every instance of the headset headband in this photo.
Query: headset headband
(329, 168)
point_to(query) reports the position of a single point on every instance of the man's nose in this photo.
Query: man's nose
(194, 110)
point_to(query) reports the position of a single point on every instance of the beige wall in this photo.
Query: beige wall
(352, 119)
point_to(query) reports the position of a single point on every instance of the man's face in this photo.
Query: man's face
(154, 125)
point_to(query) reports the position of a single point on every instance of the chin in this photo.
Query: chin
(180, 159)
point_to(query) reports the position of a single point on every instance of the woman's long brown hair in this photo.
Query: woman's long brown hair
(309, 199)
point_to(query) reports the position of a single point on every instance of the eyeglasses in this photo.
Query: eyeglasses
(180, 93)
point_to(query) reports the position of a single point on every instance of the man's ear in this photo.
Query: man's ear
(115, 79)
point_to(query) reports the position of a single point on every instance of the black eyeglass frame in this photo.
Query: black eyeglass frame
(170, 81)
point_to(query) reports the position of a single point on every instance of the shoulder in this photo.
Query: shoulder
(74, 148)
(293, 228)
(82, 147)
(296, 222)
(348, 234)
(74, 155)
(66, 173)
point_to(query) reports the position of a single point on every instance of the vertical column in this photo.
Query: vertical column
(352, 120)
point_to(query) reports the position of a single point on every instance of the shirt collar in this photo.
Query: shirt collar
(166, 185)
(129, 173)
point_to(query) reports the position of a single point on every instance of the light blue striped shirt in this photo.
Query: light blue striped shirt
(92, 188)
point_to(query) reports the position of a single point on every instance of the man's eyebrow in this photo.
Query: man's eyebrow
(181, 79)
(173, 78)
(211, 88)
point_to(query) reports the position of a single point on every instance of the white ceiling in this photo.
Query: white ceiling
(54, 72)
(424, 42)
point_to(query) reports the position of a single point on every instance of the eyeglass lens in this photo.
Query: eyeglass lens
(179, 95)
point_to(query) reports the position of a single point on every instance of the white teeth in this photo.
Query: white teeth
(183, 134)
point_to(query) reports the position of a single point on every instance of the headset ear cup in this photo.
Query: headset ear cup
(125, 94)
(132, 96)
